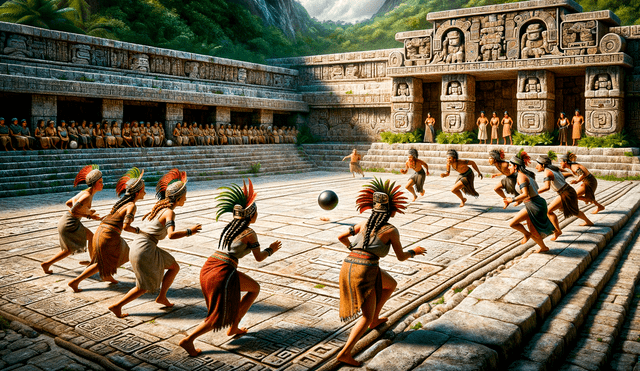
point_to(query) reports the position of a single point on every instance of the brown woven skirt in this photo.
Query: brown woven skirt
(221, 288)
(73, 235)
(354, 167)
(569, 199)
(467, 181)
(590, 185)
(359, 276)
(111, 251)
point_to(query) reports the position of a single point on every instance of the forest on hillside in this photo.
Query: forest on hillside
(225, 29)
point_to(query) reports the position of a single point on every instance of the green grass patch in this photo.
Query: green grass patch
(86, 79)
(4, 323)
(374, 170)
(629, 154)
(255, 168)
(349, 92)
(202, 173)
(410, 137)
(466, 137)
(417, 326)
(152, 321)
(22, 193)
(469, 291)
(616, 179)
(457, 290)
(319, 286)
(440, 301)
(219, 173)
(599, 340)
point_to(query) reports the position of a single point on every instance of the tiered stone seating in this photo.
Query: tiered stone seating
(35, 172)
(328, 156)
(620, 162)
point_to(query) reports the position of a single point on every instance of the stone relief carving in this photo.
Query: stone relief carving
(351, 124)
(612, 43)
(352, 71)
(81, 54)
(534, 41)
(17, 46)
(403, 89)
(603, 81)
(532, 84)
(492, 37)
(452, 48)
(140, 62)
(417, 50)
(99, 57)
(580, 37)
(192, 69)
(454, 88)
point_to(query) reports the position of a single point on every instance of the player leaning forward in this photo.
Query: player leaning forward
(364, 287)
(73, 235)
(148, 261)
(220, 279)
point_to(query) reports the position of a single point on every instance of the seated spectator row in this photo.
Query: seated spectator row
(135, 134)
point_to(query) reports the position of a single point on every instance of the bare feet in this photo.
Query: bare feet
(189, 347)
(463, 201)
(74, 286)
(414, 198)
(542, 249)
(599, 209)
(378, 322)
(556, 234)
(586, 224)
(348, 359)
(506, 204)
(525, 239)
(422, 193)
(111, 279)
(117, 310)
(45, 268)
(237, 332)
(164, 301)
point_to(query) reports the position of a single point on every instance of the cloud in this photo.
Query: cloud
(342, 10)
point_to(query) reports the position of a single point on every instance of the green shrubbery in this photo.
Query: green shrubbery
(411, 137)
(610, 141)
(543, 139)
(466, 137)
(305, 136)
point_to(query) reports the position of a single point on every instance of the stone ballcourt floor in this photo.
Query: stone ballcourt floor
(294, 323)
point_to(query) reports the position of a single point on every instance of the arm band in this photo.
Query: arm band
(547, 179)
(253, 245)
(129, 216)
(170, 223)
(269, 250)
(413, 253)
(189, 232)
(352, 231)
(525, 184)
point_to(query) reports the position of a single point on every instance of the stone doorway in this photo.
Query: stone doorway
(496, 95)
(15, 105)
(142, 111)
(431, 92)
(202, 116)
(569, 96)
(78, 109)
(282, 120)
(241, 118)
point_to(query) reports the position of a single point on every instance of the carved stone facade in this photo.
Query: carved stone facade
(174, 114)
(536, 101)
(349, 124)
(406, 104)
(43, 107)
(604, 100)
(458, 99)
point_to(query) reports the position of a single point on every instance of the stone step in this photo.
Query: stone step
(152, 174)
(627, 347)
(491, 323)
(127, 162)
(593, 311)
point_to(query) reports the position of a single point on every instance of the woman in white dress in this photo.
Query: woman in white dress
(147, 259)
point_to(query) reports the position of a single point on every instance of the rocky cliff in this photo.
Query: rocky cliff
(387, 6)
(287, 15)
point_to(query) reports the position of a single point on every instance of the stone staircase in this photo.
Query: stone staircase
(328, 156)
(619, 162)
(36, 172)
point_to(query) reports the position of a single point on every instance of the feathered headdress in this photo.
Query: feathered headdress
(521, 158)
(569, 157)
(131, 182)
(381, 197)
(172, 185)
(236, 200)
(89, 174)
(497, 154)
(552, 155)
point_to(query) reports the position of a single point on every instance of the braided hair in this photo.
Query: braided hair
(376, 221)
(166, 203)
(231, 231)
(527, 172)
(123, 201)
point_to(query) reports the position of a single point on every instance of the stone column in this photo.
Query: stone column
(43, 107)
(173, 115)
(406, 104)
(263, 117)
(604, 100)
(112, 109)
(536, 101)
(223, 115)
(458, 103)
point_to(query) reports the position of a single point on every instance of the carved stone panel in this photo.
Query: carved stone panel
(604, 82)
(174, 113)
(81, 54)
(458, 88)
(604, 100)
(417, 51)
(536, 85)
(536, 101)
(223, 115)
(457, 103)
(492, 37)
(354, 124)
(112, 109)
(43, 107)
(580, 37)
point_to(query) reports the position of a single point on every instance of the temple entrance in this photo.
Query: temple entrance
(431, 92)
(282, 120)
(79, 109)
(203, 115)
(569, 96)
(142, 111)
(498, 96)
(15, 105)
(241, 118)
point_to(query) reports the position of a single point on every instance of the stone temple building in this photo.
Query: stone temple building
(533, 59)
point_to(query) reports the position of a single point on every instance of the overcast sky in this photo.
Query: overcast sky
(341, 10)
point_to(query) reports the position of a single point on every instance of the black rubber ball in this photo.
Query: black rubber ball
(328, 200)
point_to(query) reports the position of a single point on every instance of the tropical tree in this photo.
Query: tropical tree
(40, 13)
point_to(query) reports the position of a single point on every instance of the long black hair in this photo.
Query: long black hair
(231, 231)
(376, 221)
(123, 201)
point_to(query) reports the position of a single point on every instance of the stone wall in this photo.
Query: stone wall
(499, 96)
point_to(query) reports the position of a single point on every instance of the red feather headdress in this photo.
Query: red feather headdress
(131, 182)
(90, 173)
(172, 184)
(236, 200)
